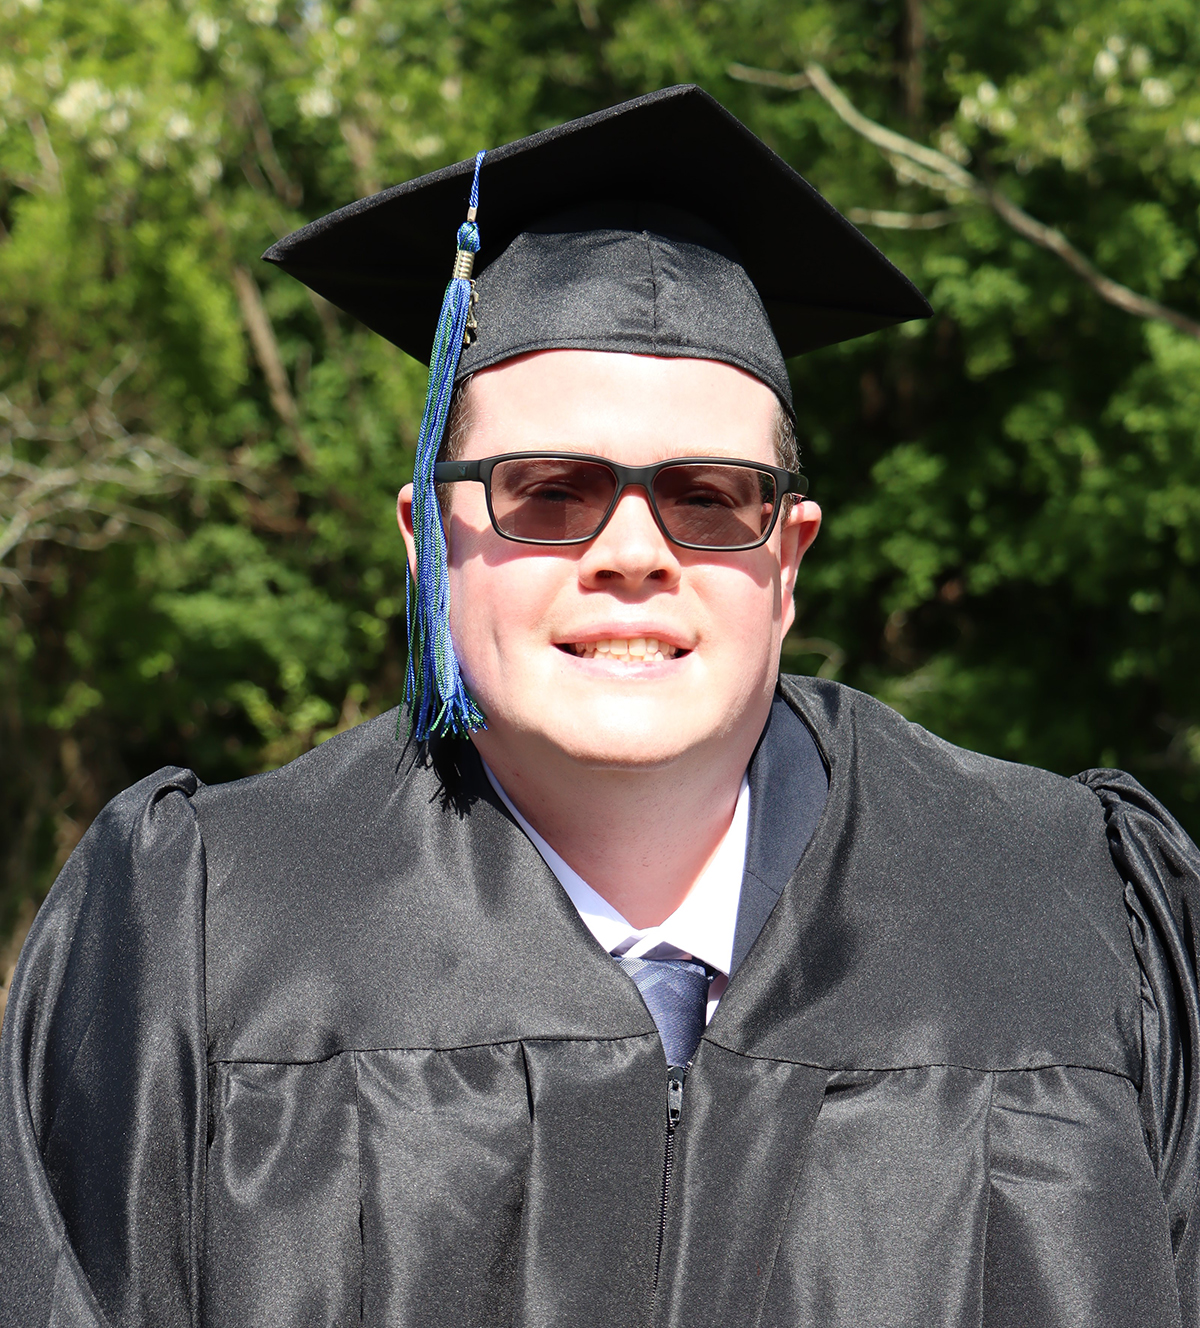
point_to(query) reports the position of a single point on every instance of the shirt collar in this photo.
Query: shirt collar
(703, 925)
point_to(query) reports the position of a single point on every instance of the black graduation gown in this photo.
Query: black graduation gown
(326, 1047)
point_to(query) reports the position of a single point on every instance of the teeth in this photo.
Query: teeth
(634, 650)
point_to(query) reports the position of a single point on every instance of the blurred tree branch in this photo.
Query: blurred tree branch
(79, 483)
(768, 78)
(360, 143)
(916, 162)
(904, 221)
(913, 68)
(290, 192)
(51, 181)
(266, 352)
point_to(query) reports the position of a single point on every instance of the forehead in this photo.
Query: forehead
(634, 408)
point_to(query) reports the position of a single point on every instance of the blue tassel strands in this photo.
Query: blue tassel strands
(434, 692)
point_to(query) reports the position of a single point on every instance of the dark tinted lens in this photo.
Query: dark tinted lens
(715, 506)
(544, 499)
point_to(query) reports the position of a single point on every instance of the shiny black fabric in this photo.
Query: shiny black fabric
(103, 1078)
(324, 1047)
(788, 788)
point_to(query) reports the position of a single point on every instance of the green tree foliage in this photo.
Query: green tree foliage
(198, 459)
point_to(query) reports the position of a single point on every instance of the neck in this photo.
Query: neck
(639, 838)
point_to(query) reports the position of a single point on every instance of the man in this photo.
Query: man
(679, 993)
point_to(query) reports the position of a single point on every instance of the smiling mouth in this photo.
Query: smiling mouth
(630, 650)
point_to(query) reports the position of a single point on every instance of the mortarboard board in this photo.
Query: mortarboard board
(662, 226)
(384, 259)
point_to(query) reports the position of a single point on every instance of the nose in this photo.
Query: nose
(631, 549)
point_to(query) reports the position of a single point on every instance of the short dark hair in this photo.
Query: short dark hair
(456, 423)
(457, 420)
(787, 449)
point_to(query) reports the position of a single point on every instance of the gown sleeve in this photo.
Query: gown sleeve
(103, 1079)
(1161, 869)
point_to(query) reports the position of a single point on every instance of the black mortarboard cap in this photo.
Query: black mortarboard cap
(661, 226)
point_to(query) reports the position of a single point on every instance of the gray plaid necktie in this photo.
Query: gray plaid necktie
(676, 994)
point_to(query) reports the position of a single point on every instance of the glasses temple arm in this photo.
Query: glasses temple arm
(446, 472)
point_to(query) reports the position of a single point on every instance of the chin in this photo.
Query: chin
(625, 737)
(627, 752)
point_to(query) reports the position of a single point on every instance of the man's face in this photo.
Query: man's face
(521, 614)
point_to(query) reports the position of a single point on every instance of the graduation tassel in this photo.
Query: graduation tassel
(437, 699)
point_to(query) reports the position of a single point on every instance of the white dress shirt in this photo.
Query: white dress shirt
(701, 928)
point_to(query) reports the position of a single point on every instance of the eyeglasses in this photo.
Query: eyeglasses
(567, 498)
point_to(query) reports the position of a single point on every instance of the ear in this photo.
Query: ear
(798, 531)
(404, 519)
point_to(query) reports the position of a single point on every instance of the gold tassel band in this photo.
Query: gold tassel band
(464, 264)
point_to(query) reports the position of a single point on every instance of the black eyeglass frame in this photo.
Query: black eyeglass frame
(786, 482)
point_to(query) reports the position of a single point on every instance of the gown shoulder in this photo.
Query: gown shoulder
(1160, 867)
(103, 1076)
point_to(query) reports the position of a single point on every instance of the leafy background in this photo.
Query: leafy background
(198, 459)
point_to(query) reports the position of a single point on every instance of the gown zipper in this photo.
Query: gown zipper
(676, 1074)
